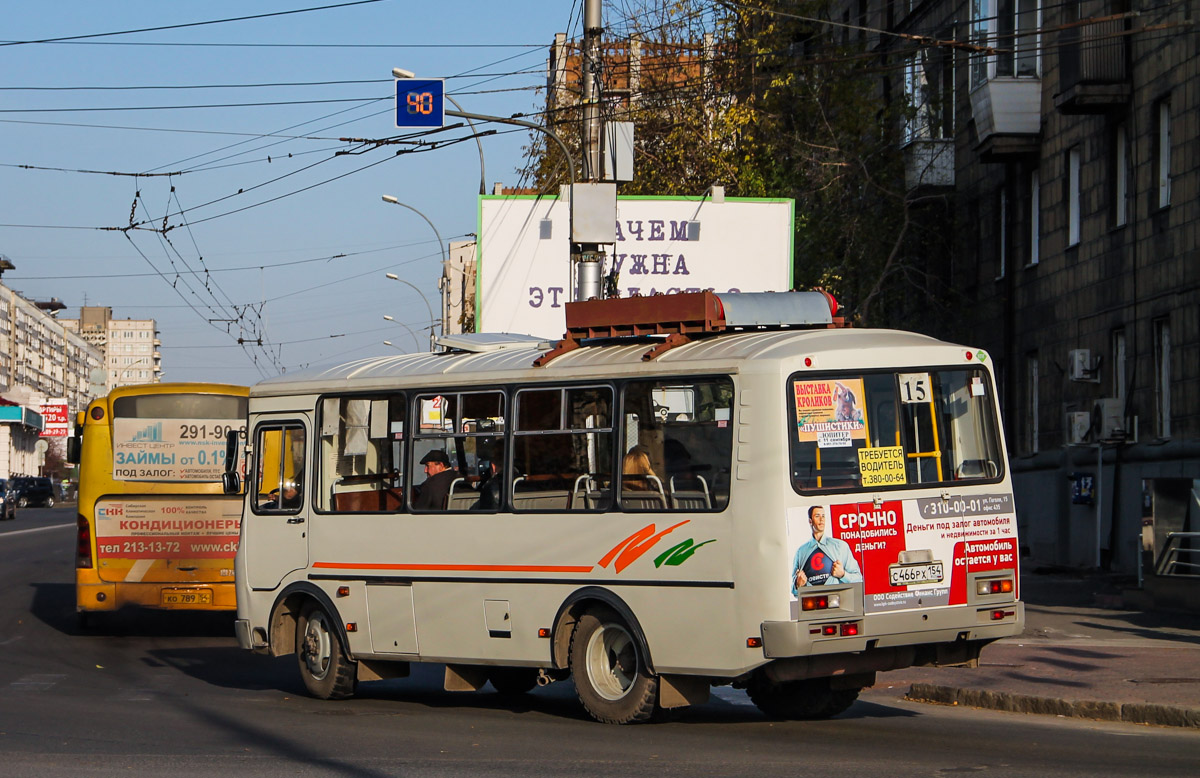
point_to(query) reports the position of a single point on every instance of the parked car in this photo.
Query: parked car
(32, 492)
(8, 500)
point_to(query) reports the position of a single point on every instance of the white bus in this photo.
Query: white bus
(762, 498)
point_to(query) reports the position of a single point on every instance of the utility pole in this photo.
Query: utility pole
(587, 229)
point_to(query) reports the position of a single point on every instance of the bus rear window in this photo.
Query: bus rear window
(885, 430)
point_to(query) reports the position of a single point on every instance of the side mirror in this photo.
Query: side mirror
(73, 447)
(232, 440)
(231, 482)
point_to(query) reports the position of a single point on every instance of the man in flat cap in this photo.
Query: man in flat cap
(431, 495)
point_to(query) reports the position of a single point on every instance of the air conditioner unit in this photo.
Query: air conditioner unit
(1080, 366)
(1079, 424)
(1108, 419)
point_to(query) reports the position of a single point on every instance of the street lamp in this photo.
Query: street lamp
(405, 326)
(402, 73)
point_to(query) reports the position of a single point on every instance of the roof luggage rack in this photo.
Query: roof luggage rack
(688, 316)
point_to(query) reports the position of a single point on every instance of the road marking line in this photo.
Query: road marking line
(35, 529)
(39, 682)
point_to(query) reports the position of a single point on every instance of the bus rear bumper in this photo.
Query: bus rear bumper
(95, 595)
(888, 641)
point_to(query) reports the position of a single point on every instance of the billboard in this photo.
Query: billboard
(56, 417)
(664, 245)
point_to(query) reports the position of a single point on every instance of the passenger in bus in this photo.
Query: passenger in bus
(636, 467)
(491, 486)
(432, 494)
(824, 559)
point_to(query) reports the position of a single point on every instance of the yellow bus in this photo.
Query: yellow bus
(155, 528)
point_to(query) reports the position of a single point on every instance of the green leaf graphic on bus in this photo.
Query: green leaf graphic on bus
(678, 554)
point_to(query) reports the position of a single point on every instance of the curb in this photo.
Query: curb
(1128, 712)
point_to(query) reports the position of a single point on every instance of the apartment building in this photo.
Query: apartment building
(130, 346)
(1064, 136)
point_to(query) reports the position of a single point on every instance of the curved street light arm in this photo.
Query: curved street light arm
(521, 123)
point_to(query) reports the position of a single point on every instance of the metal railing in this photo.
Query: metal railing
(1093, 53)
(1180, 556)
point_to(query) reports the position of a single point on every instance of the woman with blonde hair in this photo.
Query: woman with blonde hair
(635, 467)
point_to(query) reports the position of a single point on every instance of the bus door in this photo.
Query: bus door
(275, 533)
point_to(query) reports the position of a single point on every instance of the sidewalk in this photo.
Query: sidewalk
(1084, 653)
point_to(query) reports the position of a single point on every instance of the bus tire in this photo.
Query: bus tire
(806, 700)
(324, 668)
(512, 681)
(609, 671)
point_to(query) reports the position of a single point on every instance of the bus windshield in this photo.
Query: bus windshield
(889, 430)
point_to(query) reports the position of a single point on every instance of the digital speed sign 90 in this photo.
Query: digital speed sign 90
(420, 102)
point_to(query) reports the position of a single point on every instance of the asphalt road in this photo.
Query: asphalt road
(170, 693)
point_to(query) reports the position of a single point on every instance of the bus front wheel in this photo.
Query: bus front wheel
(812, 698)
(610, 673)
(326, 671)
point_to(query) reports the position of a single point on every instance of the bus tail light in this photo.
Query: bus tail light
(820, 602)
(849, 629)
(994, 586)
(998, 615)
(83, 542)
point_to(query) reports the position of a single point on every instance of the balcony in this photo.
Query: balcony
(929, 164)
(1093, 70)
(1008, 116)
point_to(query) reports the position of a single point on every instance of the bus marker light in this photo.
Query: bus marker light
(808, 361)
(849, 629)
(829, 629)
(101, 596)
(969, 355)
(83, 542)
(343, 591)
(998, 586)
(97, 413)
(753, 642)
(997, 615)
(820, 602)
(543, 632)
(351, 626)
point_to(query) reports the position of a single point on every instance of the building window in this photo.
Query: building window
(1035, 216)
(1073, 197)
(1118, 364)
(929, 95)
(1120, 176)
(1162, 377)
(1164, 154)
(1031, 402)
(1011, 27)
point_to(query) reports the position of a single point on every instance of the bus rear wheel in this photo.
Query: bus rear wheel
(324, 668)
(811, 698)
(609, 671)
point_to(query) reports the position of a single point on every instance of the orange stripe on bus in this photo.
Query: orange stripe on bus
(460, 568)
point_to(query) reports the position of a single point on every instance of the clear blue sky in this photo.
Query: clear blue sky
(310, 312)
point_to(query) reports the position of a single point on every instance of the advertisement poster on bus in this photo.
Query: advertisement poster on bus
(170, 449)
(828, 412)
(906, 553)
(663, 245)
(167, 528)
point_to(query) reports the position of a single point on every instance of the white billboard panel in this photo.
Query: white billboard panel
(524, 274)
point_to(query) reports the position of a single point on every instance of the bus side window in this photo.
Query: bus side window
(678, 444)
(361, 439)
(279, 469)
(562, 449)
